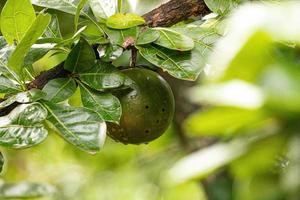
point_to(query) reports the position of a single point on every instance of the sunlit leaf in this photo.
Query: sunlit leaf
(124, 21)
(22, 127)
(16, 60)
(109, 52)
(122, 37)
(59, 89)
(81, 127)
(174, 40)
(16, 18)
(80, 6)
(107, 105)
(147, 36)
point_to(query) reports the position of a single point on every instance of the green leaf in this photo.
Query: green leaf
(22, 127)
(68, 6)
(59, 89)
(53, 29)
(36, 52)
(1, 161)
(78, 11)
(124, 21)
(103, 9)
(105, 104)
(103, 76)
(81, 58)
(147, 36)
(23, 97)
(16, 60)
(222, 7)
(109, 52)
(182, 65)
(25, 190)
(8, 86)
(174, 40)
(121, 37)
(5, 52)
(16, 18)
(81, 127)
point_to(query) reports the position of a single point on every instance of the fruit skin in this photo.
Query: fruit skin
(147, 108)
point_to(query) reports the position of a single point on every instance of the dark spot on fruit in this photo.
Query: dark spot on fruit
(147, 131)
(146, 107)
(163, 110)
(157, 121)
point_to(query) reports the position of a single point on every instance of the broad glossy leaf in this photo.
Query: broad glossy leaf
(103, 76)
(5, 52)
(122, 37)
(222, 7)
(23, 97)
(53, 29)
(81, 127)
(59, 89)
(147, 35)
(22, 127)
(16, 18)
(8, 86)
(174, 40)
(103, 9)
(25, 190)
(109, 52)
(124, 21)
(105, 104)
(1, 161)
(182, 65)
(16, 60)
(81, 58)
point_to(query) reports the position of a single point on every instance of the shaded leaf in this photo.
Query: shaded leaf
(81, 58)
(36, 52)
(16, 60)
(124, 21)
(81, 127)
(22, 127)
(105, 104)
(59, 89)
(103, 9)
(174, 40)
(182, 65)
(122, 37)
(25, 190)
(16, 18)
(103, 76)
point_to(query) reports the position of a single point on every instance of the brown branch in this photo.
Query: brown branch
(175, 11)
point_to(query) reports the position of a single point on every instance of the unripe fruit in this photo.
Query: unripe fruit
(147, 108)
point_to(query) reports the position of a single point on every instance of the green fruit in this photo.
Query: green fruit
(147, 108)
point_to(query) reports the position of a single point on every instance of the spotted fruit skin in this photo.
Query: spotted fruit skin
(147, 108)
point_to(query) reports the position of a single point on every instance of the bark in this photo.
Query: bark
(175, 11)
